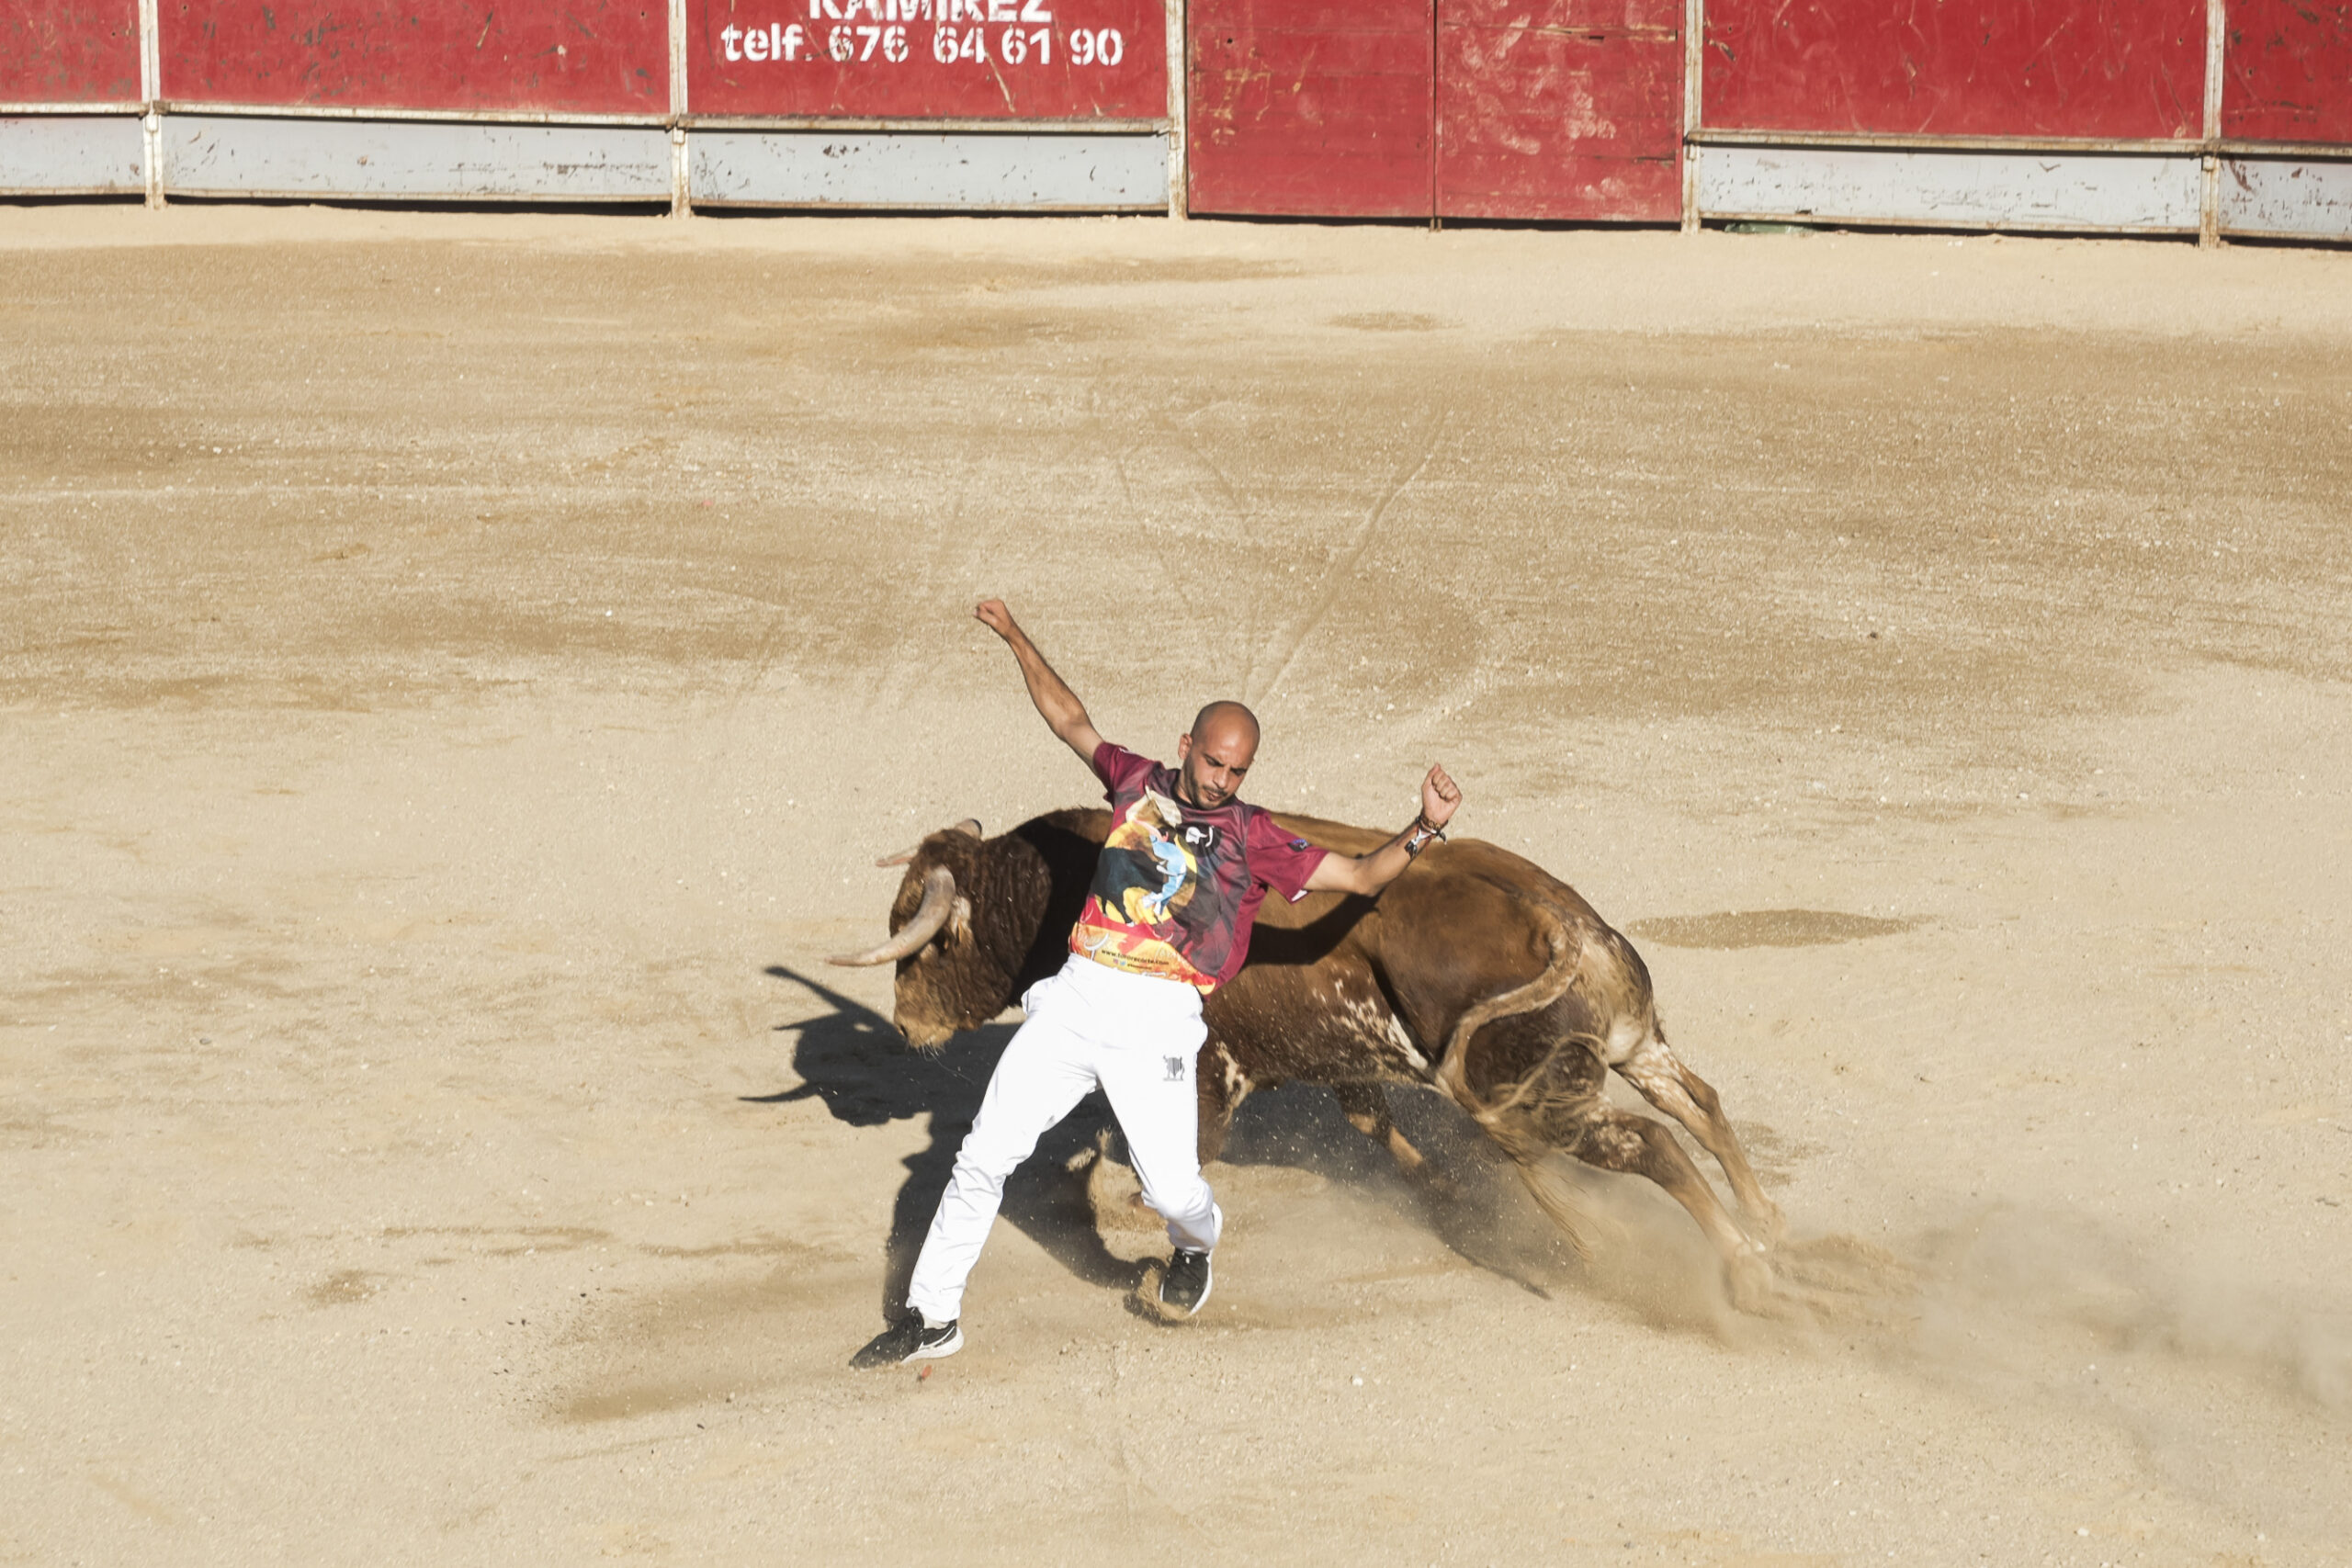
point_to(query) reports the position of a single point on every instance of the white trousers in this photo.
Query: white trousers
(1136, 1036)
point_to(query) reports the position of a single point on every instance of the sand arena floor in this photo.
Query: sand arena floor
(455, 672)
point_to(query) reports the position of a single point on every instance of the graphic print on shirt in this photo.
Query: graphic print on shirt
(1146, 878)
(1177, 887)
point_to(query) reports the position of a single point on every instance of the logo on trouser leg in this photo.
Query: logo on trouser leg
(1175, 1068)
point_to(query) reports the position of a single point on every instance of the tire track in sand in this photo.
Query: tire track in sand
(1341, 573)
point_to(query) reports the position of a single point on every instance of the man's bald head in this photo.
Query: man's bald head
(1217, 754)
(1224, 719)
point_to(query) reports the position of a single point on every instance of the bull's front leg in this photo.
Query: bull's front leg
(1111, 1188)
(1220, 1086)
(1365, 1105)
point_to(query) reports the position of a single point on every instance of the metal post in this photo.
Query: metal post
(151, 92)
(1437, 123)
(681, 166)
(1178, 100)
(2209, 214)
(1695, 45)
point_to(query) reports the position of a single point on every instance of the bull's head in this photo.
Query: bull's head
(952, 975)
(979, 920)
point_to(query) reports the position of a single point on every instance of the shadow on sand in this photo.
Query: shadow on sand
(855, 1060)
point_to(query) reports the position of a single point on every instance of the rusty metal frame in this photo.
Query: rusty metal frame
(681, 161)
(2209, 210)
(1149, 192)
(1815, 220)
(1694, 57)
(115, 117)
(1180, 85)
(2211, 149)
(351, 111)
(998, 126)
(1916, 141)
(151, 89)
(2180, 156)
(2234, 147)
(1154, 126)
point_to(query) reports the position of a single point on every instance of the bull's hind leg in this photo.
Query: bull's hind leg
(1621, 1141)
(1664, 1082)
(1537, 1090)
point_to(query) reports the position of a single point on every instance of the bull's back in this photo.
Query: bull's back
(1342, 987)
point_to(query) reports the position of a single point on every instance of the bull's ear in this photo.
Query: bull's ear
(959, 920)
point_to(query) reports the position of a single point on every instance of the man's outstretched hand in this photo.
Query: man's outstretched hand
(1440, 796)
(992, 615)
(1056, 704)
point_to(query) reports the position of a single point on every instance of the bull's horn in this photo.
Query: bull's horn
(905, 857)
(938, 904)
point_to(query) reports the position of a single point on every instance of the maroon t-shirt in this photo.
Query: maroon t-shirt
(1178, 886)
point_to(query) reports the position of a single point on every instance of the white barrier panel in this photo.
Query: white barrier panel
(959, 171)
(1959, 189)
(2303, 199)
(236, 155)
(63, 155)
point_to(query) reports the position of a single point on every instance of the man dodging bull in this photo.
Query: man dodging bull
(1167, 921)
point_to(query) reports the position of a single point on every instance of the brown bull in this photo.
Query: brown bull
(1477, 974)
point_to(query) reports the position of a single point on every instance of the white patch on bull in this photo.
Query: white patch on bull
(1235, 1086)
(1377, 1027)
(1626, 1036)
(1404, 1043)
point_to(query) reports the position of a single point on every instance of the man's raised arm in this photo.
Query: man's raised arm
(1059, 706)
(1367, 875)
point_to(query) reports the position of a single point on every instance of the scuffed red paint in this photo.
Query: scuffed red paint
(1307, 108)
(1564, 109)
(1567, 110)
(982, 81)
(560, 56)
(69, 52)
(2129, 69)
(2287, 70)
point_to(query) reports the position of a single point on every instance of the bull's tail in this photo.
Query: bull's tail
(1561, 1198)
(1558, 974)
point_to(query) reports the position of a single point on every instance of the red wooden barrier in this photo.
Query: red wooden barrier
(2095, 68)
(1560, 108)
(575, 56)
(2287, 70)
(929, 58)
(1311, 107)
(69, 52)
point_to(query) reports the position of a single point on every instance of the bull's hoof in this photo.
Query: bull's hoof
(1767, 1224)
(1753, 1289)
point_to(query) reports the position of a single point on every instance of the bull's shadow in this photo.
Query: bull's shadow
(856, 1061)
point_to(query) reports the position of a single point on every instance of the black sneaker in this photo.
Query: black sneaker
(910, 1339)
(1185, 1286)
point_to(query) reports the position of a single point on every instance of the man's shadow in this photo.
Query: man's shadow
(858, 1064)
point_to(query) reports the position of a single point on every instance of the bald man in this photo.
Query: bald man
(1167, 921)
